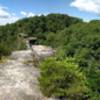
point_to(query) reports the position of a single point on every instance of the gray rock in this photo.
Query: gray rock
(40, 51)
(19, 80)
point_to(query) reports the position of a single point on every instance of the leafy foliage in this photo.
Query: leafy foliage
(38, 26)
(62, 79)
(70, 36)
(4, 50)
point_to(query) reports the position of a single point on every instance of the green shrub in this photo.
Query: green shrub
(4, 50)
(62, 79)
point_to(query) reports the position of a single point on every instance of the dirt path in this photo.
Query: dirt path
(18, 78)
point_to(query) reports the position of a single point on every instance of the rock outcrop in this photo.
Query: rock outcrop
(41, 51)
(19, 78)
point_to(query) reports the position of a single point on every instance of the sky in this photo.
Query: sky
(13, 10)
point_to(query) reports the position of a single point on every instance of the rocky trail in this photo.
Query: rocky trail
(18, 78)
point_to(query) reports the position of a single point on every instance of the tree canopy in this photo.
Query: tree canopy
(70, 35)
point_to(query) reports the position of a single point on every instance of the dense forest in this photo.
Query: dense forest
(34, 26)
(74, 71)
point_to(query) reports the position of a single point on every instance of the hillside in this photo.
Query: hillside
(72, 39)
(35, 26)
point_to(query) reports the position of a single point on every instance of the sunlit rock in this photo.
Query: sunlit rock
(41, 51)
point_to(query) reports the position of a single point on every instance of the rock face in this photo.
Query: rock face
(23, 55)
(40, 51)
(18, 78)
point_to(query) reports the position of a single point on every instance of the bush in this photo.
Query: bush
(4, 50)
(62, 79)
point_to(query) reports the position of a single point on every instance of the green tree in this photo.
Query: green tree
(4, 50)
(62, 79)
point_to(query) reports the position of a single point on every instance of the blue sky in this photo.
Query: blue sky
(12, 10)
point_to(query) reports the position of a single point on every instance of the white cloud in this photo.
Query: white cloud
(30, 14)
(92, 6)
(27, 14)
(23, 13)
(6, 16)
(10, 19)
(3, 12)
